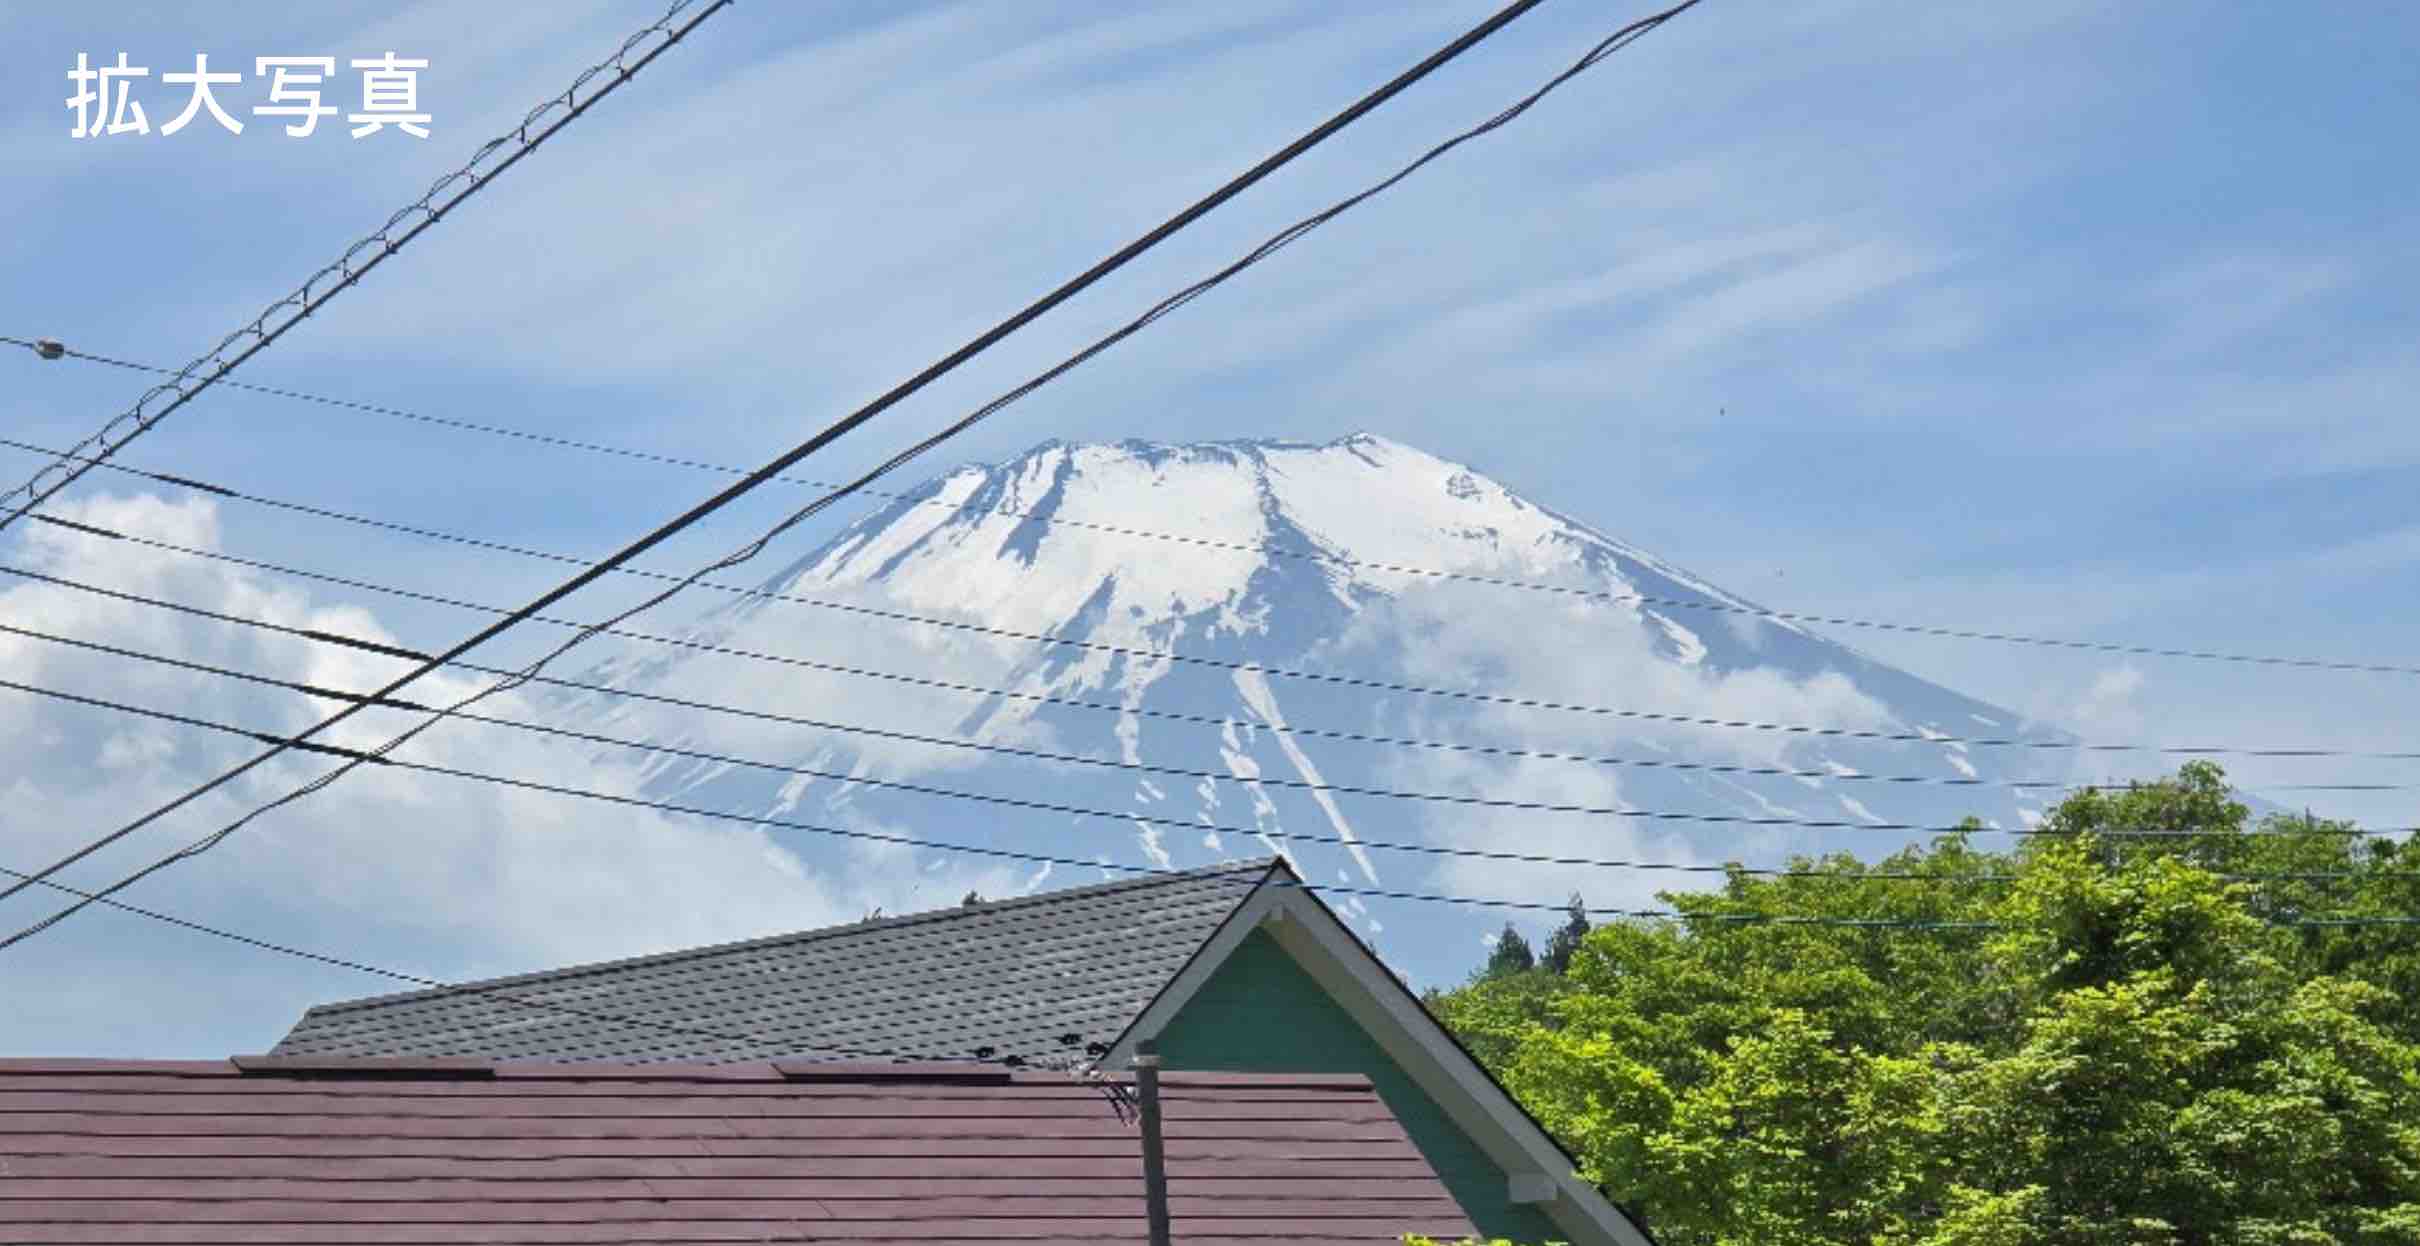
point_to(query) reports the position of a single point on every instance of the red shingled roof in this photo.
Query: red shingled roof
(406, 1151)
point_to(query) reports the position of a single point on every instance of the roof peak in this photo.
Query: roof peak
(1262, 866)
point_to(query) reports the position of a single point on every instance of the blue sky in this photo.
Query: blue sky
(2081, 320)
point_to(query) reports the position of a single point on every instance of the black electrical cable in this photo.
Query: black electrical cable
(845, 779)
(1498, 856)
(504, 994)
(446, 194)
(1275, 550)
(867, 412)
(1119, 816)
(1010, 854)
(1039, 806)
(944, 685)
(1047, 859)
(1236, 665)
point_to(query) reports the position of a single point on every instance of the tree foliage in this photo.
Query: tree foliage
(1510, 955)
(2096, 1038)
(1565, 941)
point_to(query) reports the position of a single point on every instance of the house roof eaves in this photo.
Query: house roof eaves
(573, 972)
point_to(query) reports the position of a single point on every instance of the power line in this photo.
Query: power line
(272, 323)
(573, 443)
(671, 750)
(505, 996)
(845, 778)
(502, 995)
(1075, 758)
(1006, 801)
(1283, 238)
(1496, 856)
(946, 685)
(782, 659)
(1031, 858)
(1221, 663)
(206, 843)
(1532, 703)
(977, 797)
(1311, 555)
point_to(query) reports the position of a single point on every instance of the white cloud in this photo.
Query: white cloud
(2110, 709)
(425, 873)
(1555, 649)
(1596, 653)
(2221, 301)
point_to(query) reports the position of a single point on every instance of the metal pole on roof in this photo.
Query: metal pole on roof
(1155, 1161)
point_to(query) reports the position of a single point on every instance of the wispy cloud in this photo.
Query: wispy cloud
(431, 875)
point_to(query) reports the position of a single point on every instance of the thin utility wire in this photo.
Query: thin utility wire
(1603, 49)
(505, 996)
(205, 844)
(358, 260)
(1111, 816)
(848, 778)
(780, 659)
(1759, 919)
(1039, 806)
(661, 806)
(1321, 556)
(1677, 764)
(914, 619)
(1057, 1061)
(921, 681)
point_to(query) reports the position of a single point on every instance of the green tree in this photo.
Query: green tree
(1510, 955)
(2099, 1037)
(1566, 939)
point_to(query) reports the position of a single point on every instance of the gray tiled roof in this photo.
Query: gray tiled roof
(1012, 975)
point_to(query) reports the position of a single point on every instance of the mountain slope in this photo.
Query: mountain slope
(1310, 592)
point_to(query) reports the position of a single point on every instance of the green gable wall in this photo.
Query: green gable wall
(1261, 1013)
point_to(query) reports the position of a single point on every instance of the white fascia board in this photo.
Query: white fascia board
(1417, 1042)
(1385, 1008)
(1530, 1187)
(1222, 943)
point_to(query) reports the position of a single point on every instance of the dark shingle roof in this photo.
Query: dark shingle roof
(1016, 976)
(210, 1152)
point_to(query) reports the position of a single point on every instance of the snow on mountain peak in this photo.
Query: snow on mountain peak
(1031, 541)
(1244, 615)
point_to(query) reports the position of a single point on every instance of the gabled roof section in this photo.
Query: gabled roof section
(440, 1152)
(1288, 909)
(1042, 977)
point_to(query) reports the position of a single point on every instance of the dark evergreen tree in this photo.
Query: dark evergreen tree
(1512, 955)
(1566, 939)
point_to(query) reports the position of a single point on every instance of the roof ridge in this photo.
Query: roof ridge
(876, 1073)
(1259, 865)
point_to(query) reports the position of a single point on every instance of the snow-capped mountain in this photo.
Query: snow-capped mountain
(1247, 617)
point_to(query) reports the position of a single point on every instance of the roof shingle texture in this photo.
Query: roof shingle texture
(202, 1152)
(1016, 976)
